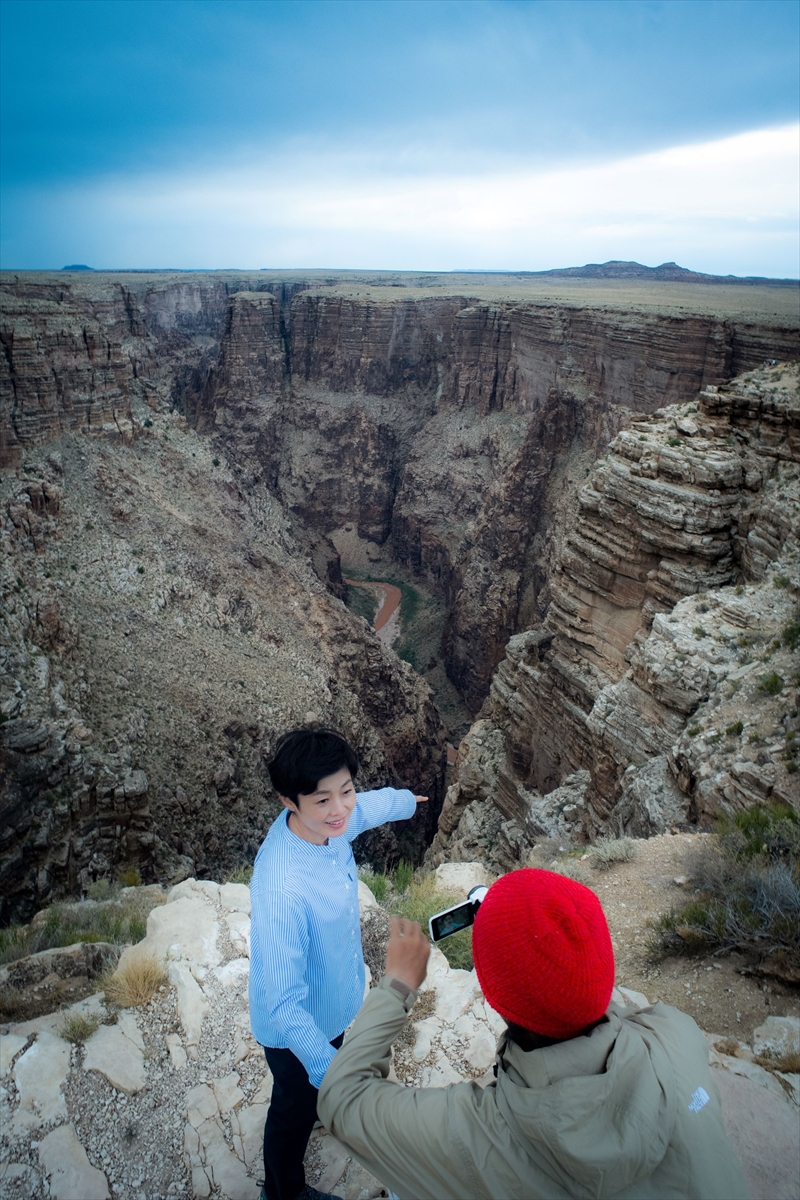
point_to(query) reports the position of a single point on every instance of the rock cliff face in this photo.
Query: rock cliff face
(639, 702)
(160, 629)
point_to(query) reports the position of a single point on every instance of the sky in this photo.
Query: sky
(400, 134)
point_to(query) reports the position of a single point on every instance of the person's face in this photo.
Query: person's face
(324, 813)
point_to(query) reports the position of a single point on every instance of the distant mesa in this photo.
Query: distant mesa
(77, 267)
(616, 269)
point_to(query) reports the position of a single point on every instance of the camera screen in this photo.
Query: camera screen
(452, 921)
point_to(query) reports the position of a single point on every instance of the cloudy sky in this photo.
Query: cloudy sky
(405, 134)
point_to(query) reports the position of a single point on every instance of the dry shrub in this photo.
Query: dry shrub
(78, 1027)
(136, 981)
(607, 851)
(744, 901)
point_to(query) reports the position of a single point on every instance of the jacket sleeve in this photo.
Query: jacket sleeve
(375, 808)
(404, 1136)
(283, 944)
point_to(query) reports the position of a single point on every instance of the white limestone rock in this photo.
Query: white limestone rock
(234, 974)
(247, 1125)
(777, 1037)
(441, 1074)
(40, 1073)
(238, 924)
(461, 877)
(480, 1051)
(177, 1054)
(235, 897)
(117, 1056)
(628, 998)
(224, 1170)
(333, 1161)
(10, 1046)
(227, 1092)
(71, 1175)
(192, 1004)
(365, 897)
(201, 1104)
(184, 929)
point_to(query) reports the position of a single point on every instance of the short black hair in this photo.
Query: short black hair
(304, 756)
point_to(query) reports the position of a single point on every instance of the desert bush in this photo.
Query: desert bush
(747, 895)
(77, 1027)
(120, 922)
(402, 876)
(791, 632)
(129, 877)
(772, 830)
(135, 983)
(607, 851)
(771, 684)
(572, 868)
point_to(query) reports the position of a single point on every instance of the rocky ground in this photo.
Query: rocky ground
(170, 1099)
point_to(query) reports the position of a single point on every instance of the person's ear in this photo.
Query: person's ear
(287, 803)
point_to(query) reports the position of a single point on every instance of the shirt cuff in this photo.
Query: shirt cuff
(407, 994)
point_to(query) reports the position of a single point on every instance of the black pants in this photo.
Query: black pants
(290, 1119)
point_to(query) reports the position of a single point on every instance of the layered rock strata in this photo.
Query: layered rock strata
(452, 427)
(675, 593)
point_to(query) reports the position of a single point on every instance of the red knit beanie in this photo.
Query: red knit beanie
(543, 952)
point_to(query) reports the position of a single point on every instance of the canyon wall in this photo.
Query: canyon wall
(644, 698)
(453, 428)
(159, 629)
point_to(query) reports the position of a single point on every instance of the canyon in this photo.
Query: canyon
(181, 454)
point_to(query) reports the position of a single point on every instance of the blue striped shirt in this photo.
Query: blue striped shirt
(306, 965)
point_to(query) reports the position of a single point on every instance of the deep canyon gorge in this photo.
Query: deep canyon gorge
(600, 485)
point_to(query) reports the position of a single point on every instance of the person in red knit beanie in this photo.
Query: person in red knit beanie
(543, 953)
(588, 1099)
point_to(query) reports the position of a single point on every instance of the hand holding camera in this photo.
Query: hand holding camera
(407, 952)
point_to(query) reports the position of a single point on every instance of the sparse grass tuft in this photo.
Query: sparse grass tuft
(129, 877)
(135, 983)
(78, 1027)
(241, 874)
(403, 874)
(607, 851)
(102, 889)
(377, 883)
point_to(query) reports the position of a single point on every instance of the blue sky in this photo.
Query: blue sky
(411, 134)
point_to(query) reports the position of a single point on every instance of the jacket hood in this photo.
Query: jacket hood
(599, 1109)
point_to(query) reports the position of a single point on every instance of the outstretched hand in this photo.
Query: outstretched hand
(407, 952)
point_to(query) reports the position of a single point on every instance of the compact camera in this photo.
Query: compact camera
(460, 916)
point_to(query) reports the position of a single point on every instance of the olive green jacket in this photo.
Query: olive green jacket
(628, 1111)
